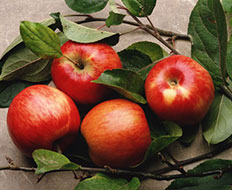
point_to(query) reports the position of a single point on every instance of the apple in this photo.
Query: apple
(80, 64)
(179, 89)
(117, 133)
(42, 116)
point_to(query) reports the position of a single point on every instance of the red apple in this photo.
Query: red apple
(117, 133)
(41, 116)
(179, 89)
(81, 64)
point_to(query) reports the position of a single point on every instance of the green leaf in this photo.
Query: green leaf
(83, 34)
(189, 134)
(47, 161)
(18, 40)
(8, 90)
(25, 65)
(86, 6)
(113, 6)
(134, 60)
(140, 8)
(217, 123)
(161, 142)
(208, 29)
(153, 50)
(125, 82)
(208, 182)
(114, 19)
(104, 182)
(40, 39)
(229, 58)
(227, 5)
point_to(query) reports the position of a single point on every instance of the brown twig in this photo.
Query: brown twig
(160, 31)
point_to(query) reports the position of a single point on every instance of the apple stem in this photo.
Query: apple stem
(78, 64)
(57, 148)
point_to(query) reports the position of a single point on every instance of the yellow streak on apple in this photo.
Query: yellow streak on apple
(169, 95)
(184, 92)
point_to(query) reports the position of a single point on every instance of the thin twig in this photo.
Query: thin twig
(130, 173)
(154, 33)
(173, 166)
(211, 154)
(160, 31)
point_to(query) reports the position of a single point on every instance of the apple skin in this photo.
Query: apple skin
(117, 133)
(95, 59)
(41, 116)
(179, 89)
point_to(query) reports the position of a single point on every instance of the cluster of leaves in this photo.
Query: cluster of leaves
(27, 61)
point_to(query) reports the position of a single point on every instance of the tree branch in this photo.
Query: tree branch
(161, 31)
(129, 173)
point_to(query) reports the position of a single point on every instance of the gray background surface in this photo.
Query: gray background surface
(170, 15)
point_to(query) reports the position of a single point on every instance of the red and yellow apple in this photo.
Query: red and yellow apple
(179, 89)
(117, 133)
(42, 116)
(81, 64)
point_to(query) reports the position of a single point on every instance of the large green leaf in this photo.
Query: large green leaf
(47, 161)
(134, 60)
(208, 29)
(83, 34)
(208, 182)
(8, 90)
(86, 6)
(40, 39)
(140, 8)
(161, 142)
(25, 65)
(153, 50)
(229, 59)
(227, 5)
(125, 82)
(104, 182)
(18, 40)
(217, 123)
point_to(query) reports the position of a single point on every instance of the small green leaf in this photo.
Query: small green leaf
(153, 50)
(8, 90)
(86, 6)
(217, 123)
(140, 8)
(125, 82)
(208, 182)
(208, 29)
(134, 60)
(114, 19)
(47, 160)
(40, 39)
(161, 142)
(104, 182)
(83, 34)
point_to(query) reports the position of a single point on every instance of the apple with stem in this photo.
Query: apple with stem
(179, 89)
(42, 116)
(117, 133)
(80, 64)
